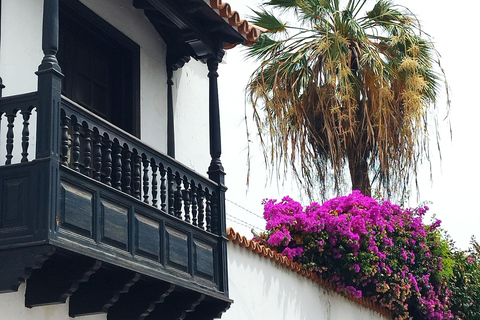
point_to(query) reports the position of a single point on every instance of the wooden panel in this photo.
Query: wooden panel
(157, 244)
(115, 224)
(204, 265)
(177, 249)
(24, 194)
(147, 237)
(13, 196)
(77, 210)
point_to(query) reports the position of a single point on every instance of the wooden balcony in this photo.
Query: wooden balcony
(106, 220)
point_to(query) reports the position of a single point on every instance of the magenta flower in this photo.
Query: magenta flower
(368, 249)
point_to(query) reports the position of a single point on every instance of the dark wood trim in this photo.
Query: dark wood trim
(49, 86)
(182, 22)
(215, 171)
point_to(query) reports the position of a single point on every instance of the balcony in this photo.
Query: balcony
(105, 220)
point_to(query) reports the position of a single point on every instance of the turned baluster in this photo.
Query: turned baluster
(154, 167)
(127, 171)
(97, 156)
(201, 207)
(87, 150)
(193, 189)
(186, 199)
(64, 139)
(25, 135)
(117, 167)
(136, 175)
(10, 125)
(145, 179)
(76, 147)
(107, 160)
(214, 216)
(178, 197)
(171, 193)
(208, 217)
(163, 188)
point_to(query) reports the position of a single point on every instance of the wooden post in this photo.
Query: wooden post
(49, 86)
(48, 115)
(215, 170)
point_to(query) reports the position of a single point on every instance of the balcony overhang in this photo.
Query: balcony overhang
(112, 224)
(197, 28)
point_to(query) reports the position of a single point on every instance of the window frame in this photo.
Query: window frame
(125, 110)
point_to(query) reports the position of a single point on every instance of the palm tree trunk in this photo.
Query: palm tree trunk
(358, 166)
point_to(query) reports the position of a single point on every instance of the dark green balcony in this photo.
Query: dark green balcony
(111, 223)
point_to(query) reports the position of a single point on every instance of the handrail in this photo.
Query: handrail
(96, 148)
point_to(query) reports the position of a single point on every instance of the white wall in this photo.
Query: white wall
(12, 307)
(262, 289)
(21, 45)
(192, 146)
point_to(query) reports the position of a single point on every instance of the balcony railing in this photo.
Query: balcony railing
(111, 198)
(94, 148)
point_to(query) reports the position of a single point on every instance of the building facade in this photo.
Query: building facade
(102, 103)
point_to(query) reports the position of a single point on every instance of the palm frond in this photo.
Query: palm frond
(268, 21)
(264, 47)
(347, 90)
(284, 3)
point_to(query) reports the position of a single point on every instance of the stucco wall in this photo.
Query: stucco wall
(21, 45)
(262, 289)
(192, 146)
(12, 307)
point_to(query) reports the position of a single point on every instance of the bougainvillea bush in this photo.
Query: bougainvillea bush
(367, 248)
(465, 282)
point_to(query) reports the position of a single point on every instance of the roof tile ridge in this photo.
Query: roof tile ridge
(251, 31)
(278, 258)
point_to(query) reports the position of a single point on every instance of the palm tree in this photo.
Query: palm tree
(343, 88)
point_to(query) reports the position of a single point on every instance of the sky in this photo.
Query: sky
(453, 194)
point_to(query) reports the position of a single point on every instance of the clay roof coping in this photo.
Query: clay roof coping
(265, 252)
(248, 30)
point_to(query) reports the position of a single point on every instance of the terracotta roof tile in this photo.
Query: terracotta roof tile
(263, 251)
(250, 32)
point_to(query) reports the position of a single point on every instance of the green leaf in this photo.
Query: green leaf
(263, 47)
(283, 3)
(268, 21)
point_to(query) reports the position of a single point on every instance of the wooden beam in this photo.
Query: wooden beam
(58, 279)
(102, 291)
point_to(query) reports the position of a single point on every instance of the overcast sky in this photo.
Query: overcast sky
(455, 189)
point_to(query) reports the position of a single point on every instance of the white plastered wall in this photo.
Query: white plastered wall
(262, 289)
(12, 307)
(192, 146)
(21, 45)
